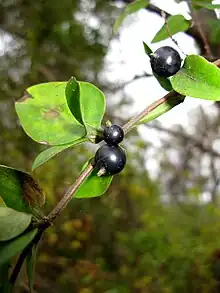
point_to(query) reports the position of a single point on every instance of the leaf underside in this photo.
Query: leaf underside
(173, 25)
(12, 223)
(19, 190)
(51, 152)
(87, 103)
(8, 249)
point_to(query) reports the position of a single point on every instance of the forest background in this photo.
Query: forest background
(157, 227)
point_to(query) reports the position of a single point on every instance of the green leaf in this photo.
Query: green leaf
(163, 108)
(164, 82)
(45, 116)
(129, 9)
(175, 24)
(12, 223)
(19, 190)
(8, 249)
(5, 286)
(207, 5)
(72, 92)
(94, 185)
(87, 103)
(198, 78)
(53, 151)
(92, 103)
(147, 49)
(31, 264)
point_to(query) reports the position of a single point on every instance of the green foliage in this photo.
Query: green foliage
(162, 109)
(72, 92)
(12, 223)
(19, 190)
(198, 78)
(49, 153)
(129, 9)
(93, 186)
(128, 241)
(147, 49)
(45, 116)
(87, 104)
(164, 82)
(8, 249)
(175, 24)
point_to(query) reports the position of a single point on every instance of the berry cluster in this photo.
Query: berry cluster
(111, 157)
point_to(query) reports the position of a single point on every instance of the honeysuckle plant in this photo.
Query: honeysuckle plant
(64, 115)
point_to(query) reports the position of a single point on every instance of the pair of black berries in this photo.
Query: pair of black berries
(111, 157)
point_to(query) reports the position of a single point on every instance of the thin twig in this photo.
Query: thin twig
(19, 264)
(204, 38)
(130, 124)
(216, 180)
(169, 33)
(152, 8)
(69, 194)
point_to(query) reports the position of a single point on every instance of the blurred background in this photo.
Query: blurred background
(157, 227)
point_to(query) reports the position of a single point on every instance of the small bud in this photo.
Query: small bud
(101, 172)
(108, 123)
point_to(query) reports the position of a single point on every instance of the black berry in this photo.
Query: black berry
(111, 158)
(113, 134)
(165, 61)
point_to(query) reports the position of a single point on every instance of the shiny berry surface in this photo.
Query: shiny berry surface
(113, 134)
(165, 61)
(110, 157)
